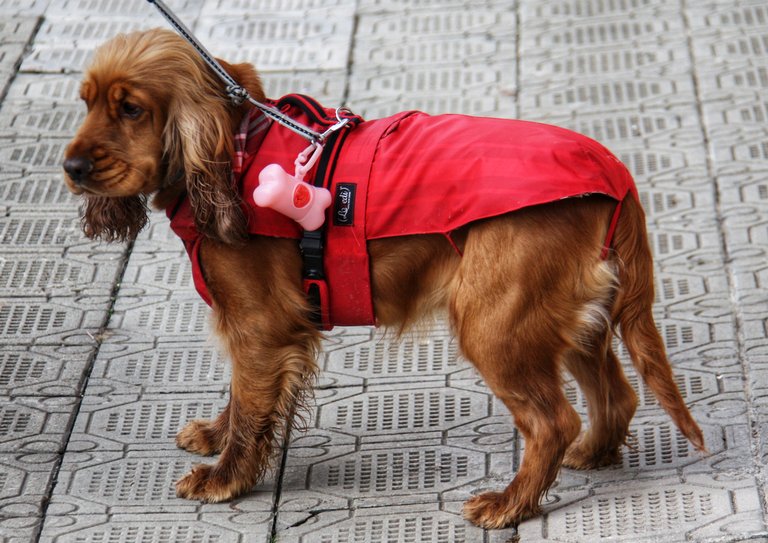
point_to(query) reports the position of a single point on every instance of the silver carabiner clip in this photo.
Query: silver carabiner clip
(341, 123)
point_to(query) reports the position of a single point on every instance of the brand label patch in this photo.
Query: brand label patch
(344, 204)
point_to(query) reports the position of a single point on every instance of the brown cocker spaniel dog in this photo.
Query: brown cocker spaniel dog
(522, 308)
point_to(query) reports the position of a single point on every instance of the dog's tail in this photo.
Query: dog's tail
(633, 312)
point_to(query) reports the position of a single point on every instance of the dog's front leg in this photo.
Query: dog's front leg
(260, 317)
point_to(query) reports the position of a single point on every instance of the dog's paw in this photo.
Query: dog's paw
(493, 510)
(205, 484)
(578, 456)
(200, 437)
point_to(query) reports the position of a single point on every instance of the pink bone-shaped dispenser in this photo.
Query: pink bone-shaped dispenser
(290, 195)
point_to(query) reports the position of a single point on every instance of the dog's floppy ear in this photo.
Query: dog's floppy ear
(199, 143)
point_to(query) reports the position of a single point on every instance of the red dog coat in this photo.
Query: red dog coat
(411, 173)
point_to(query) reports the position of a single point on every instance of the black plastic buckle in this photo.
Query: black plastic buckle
(311, 246)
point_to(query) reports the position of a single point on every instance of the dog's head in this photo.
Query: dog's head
(158, 122)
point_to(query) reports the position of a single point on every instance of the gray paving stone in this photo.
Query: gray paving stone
(26, 192)
(678, 91)
(375, 477)
(589, 9)
(152, 527)
(394, 51)
(434, 89)
(410, 523)
(15, 8)
(26, 478)
(41, 120)
(16, 29)
(443, 22)
(57, 59)
(34, 424)
(35, 321)
(665, 510)
(80, 8)
(160, 318)
(26, 153)
(30, 274)
(98, 482)
(92, 29)
(24, 372)
(216, 8)
(326, 86)
(44, 88)
(128, 423)
(159, 274)
(163, 368)
(413, 358)
(397, 6)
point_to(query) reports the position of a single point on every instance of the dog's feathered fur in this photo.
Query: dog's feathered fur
(529, 298)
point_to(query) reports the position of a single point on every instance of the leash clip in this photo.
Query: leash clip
(237, 94)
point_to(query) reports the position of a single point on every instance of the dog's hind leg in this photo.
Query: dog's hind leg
(611, 401)
(611, 404)
(260, 314)
(515, 314)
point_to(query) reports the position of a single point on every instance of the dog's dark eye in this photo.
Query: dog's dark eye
(129, 110)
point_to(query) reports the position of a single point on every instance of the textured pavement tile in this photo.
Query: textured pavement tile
(33, 321)
(94, 481)
(659, 511)
(52, 88)
(150, 527)
(598, 32)
(411, 523)
(35, 192)
(15, 8)
(393, 51)
(559, 10)
(380, 361)
(24, 482)
(118, 8)
(24, 372)
(159, 274)
(393, 424)
(92, 29)
(128, 423)
(326, 86)
(478, 89)
(163, 368)
(311, 40)
(282, 57)
(41, 120)
(32, 154)
(614, 94)
(163, 319)
(82, 278)
(216, 8)
(16, 29)
(57, 59)
(34, 424)
(448, 22)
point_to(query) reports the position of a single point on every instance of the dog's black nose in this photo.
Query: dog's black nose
(78, 168)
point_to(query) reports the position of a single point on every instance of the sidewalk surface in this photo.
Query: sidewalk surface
(105, 351)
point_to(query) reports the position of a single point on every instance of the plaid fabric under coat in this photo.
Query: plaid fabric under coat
(248, 139)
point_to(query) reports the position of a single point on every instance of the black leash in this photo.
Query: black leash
(235, 91)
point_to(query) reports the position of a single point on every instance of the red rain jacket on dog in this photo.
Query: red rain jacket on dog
(411, 173)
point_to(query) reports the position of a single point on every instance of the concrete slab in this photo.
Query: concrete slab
(104, 349)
